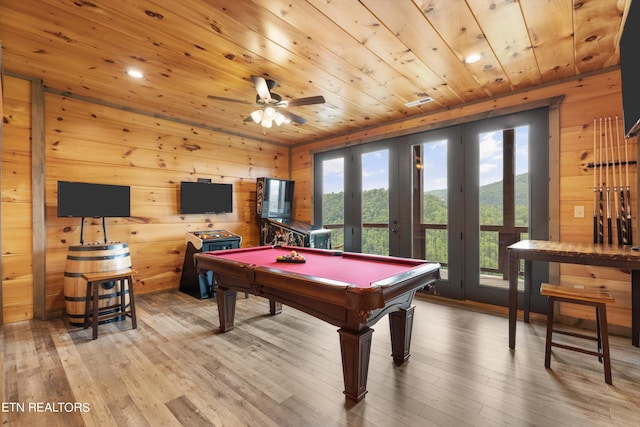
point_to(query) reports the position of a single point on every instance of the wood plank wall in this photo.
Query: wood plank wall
(17, 276)
(90, 142)
(583, 100)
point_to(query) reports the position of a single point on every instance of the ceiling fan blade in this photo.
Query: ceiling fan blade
(261, 87)
(303, 101)
(293, 117)
(220, 98)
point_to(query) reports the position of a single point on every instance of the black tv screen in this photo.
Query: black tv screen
(630, 71)
(205, 197)
(83, 199)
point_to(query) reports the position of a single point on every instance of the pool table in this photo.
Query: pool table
(349, 290)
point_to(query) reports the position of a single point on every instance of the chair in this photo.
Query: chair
(597, 298)
(94, 314)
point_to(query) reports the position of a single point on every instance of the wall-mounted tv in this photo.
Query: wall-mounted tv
(205, 197)
(83, 199)
(630, 71)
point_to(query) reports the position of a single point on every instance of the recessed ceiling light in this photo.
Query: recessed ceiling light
(136, 74)
(473, 58)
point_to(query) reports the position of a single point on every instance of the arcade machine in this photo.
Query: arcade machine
(274, 202)
(201, 285)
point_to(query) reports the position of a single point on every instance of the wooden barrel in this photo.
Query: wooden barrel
(93, 258)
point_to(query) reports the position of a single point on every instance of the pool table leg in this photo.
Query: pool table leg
(275, 307)
(401, 324)
(226, 299)
(356, 350)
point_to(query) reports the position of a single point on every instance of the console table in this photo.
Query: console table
(613, 256)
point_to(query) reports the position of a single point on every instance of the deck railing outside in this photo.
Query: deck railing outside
(431, 243)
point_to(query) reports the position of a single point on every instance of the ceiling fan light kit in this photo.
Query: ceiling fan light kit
(273, 108)
(267, 116)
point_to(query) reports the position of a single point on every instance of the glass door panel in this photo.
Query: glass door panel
(503, 199)
(437, 210)
(491, 210)
(435, 203)
(333, 200)
(522, 184)
(375, 202)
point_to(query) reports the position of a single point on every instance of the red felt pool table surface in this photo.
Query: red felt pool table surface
(359, 270)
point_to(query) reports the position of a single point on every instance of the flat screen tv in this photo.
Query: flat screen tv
(630, 71)
(83, 199)
(205, 197)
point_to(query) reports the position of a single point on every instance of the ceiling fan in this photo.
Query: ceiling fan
(273, 108)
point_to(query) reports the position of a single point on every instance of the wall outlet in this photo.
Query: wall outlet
(578, 211)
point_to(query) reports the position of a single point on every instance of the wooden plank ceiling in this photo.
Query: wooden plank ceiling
(367, 58)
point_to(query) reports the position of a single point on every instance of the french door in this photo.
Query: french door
(356, 202)
(437, 200)
(458, 196)
(506, 199)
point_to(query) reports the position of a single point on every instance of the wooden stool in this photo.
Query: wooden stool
(597, 298)
(94, 281)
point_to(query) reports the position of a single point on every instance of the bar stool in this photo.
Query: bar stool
(594, 297)
(92, 315)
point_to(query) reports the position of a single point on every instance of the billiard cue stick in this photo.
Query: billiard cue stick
(615, 183)
(595, 186)
(626, 161)
(606, 178)
(623, 222)
(600, 188)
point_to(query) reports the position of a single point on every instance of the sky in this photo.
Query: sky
(375, 164)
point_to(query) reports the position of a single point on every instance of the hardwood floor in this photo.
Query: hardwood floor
(285, 370)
